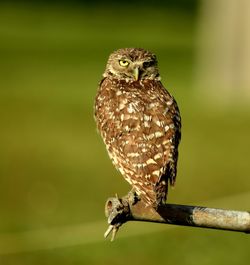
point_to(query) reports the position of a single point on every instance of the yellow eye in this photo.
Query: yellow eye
(123, 63)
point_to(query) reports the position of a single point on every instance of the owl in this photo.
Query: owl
(140, 123)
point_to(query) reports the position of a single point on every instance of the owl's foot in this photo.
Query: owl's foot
(117, 210)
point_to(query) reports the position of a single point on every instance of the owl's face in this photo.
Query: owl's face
(132, 64)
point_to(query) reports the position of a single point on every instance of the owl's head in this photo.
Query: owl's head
(132, 64)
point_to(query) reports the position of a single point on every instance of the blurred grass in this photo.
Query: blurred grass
(54, 170)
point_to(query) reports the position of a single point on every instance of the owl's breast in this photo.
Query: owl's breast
(129, 109)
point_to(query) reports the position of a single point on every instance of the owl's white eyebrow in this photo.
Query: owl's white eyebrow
(124, 58)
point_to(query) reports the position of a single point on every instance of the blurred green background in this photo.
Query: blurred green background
(55, 175)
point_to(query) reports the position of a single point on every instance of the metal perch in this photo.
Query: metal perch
(120, 210)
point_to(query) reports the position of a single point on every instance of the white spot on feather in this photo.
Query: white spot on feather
(158, 134)
(156, 172)
(147, 118)
(133, 154)
(158, 123)
(157, 156)
(166, 128)
(127, 128)
(150, 161)
(165, 142)
(131, 108)
(151, 136)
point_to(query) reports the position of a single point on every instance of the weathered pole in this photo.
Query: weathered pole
(118, 211)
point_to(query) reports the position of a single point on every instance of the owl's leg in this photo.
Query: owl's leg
(133, 196)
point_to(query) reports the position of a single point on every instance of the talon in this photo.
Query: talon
(114, 232)
(112, 228)
(108, 231)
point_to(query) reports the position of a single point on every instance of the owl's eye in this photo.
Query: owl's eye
(123, 63)
(148, 64)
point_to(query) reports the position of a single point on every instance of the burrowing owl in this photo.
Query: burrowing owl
(139, 122)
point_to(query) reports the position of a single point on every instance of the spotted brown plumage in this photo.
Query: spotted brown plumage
(139, 122)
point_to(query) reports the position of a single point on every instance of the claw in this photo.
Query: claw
(114, 232)
(112, 228)
(108, 231)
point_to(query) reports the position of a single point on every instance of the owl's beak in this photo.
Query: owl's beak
(136, 73)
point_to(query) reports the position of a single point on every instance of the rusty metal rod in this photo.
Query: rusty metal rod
(119, 211)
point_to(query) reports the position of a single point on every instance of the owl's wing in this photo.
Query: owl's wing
(164, 134)
(175, 137)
